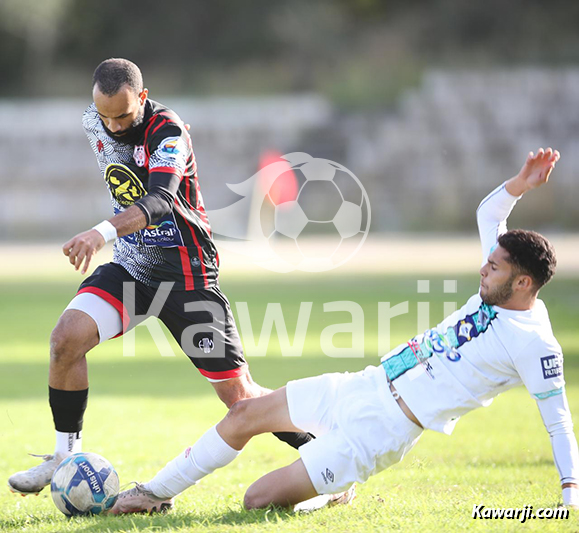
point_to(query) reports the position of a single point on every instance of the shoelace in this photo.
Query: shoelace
(131, 492)
(46, 457)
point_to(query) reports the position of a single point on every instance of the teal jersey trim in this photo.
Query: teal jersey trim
(423, 347)
(548, 394)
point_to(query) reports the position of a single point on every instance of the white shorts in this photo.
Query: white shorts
(360, 429)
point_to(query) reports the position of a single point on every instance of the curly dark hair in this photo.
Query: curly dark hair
(530, 253)
(113, 73)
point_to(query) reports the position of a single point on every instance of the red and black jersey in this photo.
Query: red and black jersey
(177, 247)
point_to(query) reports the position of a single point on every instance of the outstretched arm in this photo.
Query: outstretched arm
(494, 210)
(540, 367)
(557, 419)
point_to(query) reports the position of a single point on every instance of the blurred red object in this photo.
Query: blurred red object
(285, 187)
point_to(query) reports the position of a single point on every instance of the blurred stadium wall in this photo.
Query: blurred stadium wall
(425, 163)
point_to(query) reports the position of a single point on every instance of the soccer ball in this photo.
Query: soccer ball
(320, 220)
(84, 484)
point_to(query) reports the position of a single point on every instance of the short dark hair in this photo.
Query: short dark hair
(112, 74)
(531, 254)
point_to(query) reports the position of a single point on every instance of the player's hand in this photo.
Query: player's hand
(538, 167)
(82, 247)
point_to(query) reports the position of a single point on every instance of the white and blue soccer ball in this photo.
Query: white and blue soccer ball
(84, 484)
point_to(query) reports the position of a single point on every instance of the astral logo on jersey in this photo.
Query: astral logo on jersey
(163, 226)
(552, 366)
(124, 185)
(159, 233)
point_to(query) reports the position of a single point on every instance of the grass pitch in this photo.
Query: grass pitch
(146, 409)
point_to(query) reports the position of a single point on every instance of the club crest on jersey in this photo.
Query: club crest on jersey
(100, 146)
(139, 156)
(552, 366)
(464, 329)
(124, 184)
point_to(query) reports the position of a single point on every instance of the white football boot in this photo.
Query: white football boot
(140, 500)
(33, 480)
(326, 500)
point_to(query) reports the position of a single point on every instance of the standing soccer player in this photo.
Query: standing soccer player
(165, 262)
(367, 421)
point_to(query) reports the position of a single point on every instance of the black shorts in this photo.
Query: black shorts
(201, 320)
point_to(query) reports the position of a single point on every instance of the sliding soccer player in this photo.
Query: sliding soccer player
(367, 421)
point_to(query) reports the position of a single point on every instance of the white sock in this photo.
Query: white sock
(206, 455)
(68, 443)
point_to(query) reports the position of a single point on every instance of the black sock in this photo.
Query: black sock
(68, 409)
(295, 440)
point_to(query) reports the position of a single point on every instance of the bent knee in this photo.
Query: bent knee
(255, 499)
(238, 412)
(239, 415)
(62, 346)
(71, 339)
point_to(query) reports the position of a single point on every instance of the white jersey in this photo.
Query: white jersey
(472, 356)
(479, 351)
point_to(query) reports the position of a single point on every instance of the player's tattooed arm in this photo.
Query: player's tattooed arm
(534, 173)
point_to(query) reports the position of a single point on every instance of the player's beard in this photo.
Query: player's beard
(501, 294)
(133, 133)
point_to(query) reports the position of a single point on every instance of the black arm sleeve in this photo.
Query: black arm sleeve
(161, 197)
